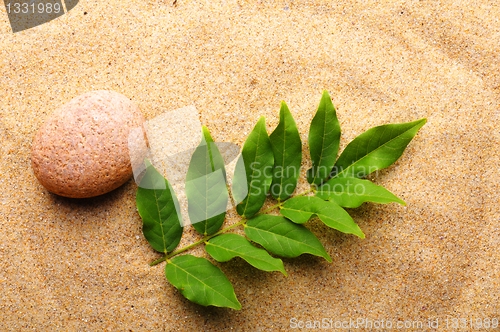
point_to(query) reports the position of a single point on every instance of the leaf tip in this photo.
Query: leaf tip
(147, 163)
(421, 122)
(205, 135)
(235, 304)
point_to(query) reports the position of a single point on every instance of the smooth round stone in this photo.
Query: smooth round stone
(82, 150)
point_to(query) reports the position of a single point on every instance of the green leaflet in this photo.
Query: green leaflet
(324, 138)
(301, 208)
(201, 282)
(257, 156)
(158, 206)
(284, 238)
(352, 192)
(206, 189)
(375, 149)
(227, 246)
(287, 149)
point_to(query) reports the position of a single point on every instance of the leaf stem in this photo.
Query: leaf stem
(158, 261)
(222, 231)
(194, 244)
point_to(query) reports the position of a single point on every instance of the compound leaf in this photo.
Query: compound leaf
(257, 156)
(201, 282)
(267, 162)
(301, 208)
(224, 247)
(324, 138)
(206, 189)
(375, 149)
(352, 192)
(158, 207)
(282, 237)
(287, 149)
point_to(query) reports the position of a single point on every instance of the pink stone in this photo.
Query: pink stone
(82, 150)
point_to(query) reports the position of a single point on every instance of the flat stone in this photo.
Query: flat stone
(82, 150)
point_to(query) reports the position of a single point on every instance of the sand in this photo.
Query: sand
(82, 265)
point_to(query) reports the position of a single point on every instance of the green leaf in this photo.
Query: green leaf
(375, 149)
(301, 208)
(287, 149)
(201, 282)
(284, 238)
(206, 189)
(158, 208)
(324, 138)
(352, 192)
(258, 159)
(227, 246)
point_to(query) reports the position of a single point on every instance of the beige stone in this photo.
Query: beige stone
(82, 150)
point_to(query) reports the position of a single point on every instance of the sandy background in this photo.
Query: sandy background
(70, 265)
